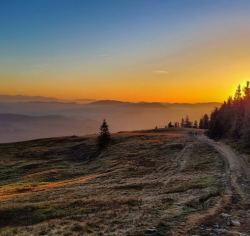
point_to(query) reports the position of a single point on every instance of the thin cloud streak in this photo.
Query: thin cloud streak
(161, 72)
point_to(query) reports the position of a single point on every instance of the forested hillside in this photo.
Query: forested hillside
(232, 119)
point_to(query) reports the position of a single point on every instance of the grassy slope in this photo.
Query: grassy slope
(64, 186)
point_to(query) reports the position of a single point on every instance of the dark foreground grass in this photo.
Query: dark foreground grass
(65, 186)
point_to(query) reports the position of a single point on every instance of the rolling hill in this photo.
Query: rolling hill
(145, 183)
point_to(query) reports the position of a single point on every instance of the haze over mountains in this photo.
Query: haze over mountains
(24, 117)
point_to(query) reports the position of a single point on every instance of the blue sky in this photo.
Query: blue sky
(106, 36)
(43, 27)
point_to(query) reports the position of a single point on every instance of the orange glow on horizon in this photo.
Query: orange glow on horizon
(206, 72)
(162, 92)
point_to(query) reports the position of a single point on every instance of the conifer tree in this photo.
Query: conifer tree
(247, 92)
(201, 126)
(237, 96)
(205, 121)
(182, 123)
(215, 128)
(176, 125)
(246, 122)
(188, 123)
(238, 114)
(104, 135)
(232, 119)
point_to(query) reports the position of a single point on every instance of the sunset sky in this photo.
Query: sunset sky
(131, 50)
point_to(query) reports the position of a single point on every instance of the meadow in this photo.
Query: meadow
(144, 183)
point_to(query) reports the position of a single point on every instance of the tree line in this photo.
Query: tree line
(187, 123)
(232, 119)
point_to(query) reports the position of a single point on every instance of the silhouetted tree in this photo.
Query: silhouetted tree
(237, 96)
(245, 132)
(247, 92)
(232, 119)
(238, 114)
(201, 126)
(205, 121)
(182, 123)
(170, 125)
(215, 128)
(104, 137)
(196, 124)
(188, 123)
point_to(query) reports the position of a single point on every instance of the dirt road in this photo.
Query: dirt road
(231, 218)
(236, 166)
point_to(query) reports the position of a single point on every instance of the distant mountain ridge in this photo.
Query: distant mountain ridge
(23, 98)
(23, 118)
(122, 104)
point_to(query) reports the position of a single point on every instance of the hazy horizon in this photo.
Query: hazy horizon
(25, 118)
(138, 64)
(34, 98)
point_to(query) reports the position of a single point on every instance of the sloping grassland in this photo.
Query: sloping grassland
(144, 183)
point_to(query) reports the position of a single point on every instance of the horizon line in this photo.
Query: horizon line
(75, 100)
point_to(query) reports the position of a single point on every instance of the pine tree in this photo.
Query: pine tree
(205, 122)
(201, 126)
(238, 107)
(104, 137)
(246, 122)
(188, 123)
(182, 123)
(247, 91)
(215, 127)
(170, 125)
(237, 96)
(232, 119)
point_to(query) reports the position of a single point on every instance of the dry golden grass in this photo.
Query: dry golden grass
(142, 180)
(12, 192)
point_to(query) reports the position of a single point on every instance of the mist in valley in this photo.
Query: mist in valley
(24, 118)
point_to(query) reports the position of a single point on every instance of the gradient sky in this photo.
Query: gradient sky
(133, 50)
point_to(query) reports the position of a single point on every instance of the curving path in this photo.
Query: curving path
(236, 165)
(236, 200)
